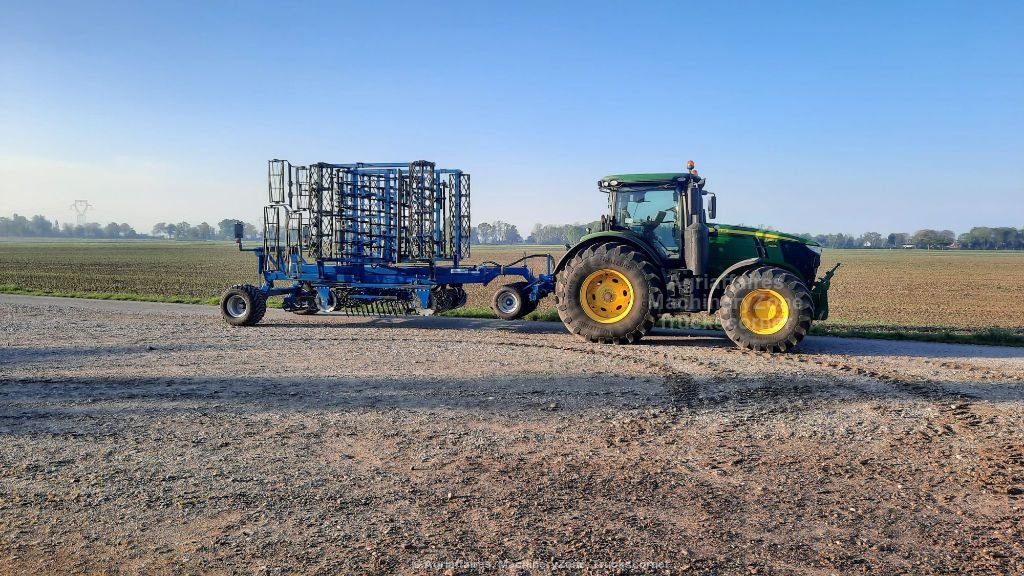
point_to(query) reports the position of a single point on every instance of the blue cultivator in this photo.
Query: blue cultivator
(372, 239)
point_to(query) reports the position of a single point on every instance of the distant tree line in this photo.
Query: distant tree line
(39, 226)
(495, 233)
(978, 238)
(225, 230)
(985, 238)
(563, 234)
(504, 233)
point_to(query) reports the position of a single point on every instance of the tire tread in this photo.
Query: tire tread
(625, 256)
(758, 277)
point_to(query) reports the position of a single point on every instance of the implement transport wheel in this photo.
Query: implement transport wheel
(609, 293)
(767, 309)
(312, 300)
(243, 305)
(312, 308)
(511, 301)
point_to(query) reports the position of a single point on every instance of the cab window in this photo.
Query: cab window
(652, 214)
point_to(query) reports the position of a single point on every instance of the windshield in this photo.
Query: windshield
(650, 212)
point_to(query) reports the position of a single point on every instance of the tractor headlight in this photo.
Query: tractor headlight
(815, 249)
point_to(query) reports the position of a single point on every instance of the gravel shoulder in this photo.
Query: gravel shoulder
(143, 438)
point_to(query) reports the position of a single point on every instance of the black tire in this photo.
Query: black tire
(797, 320)
(308, 310)
(647, 285)
(312, 300)
(243, 305)
(511, 302)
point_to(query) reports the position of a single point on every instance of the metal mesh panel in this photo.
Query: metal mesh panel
(273, 235)
(278, 173)
(448, 187)
(322, 212)
(422, 211)
(366, 213)
(465, 225)
(298, 188)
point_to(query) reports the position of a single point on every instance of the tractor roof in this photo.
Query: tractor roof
(647, 177)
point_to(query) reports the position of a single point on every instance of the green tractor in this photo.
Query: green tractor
(656, 254)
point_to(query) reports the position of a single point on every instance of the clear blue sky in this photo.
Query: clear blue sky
(814, 116)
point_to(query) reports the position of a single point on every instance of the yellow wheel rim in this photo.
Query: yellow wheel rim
(764, 311)
(606, 296)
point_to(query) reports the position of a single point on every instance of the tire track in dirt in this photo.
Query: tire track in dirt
(1005, 467)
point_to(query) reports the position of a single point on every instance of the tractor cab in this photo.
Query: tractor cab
(650, 211)
(666, 211)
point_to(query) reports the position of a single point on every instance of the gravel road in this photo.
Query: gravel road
(141, 438)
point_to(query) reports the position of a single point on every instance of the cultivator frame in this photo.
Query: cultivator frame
(375, 239)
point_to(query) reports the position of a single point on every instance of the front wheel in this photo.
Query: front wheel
(511, 301)
(767, 309)
(609, 293)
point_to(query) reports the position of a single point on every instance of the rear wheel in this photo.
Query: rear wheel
(767, 309)
(609, 293)
(243, 305)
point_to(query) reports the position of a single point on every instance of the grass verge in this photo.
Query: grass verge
(13, 289)
(987, 336)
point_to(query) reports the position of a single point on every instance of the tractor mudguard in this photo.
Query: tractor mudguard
(599, 237)
(749, 262)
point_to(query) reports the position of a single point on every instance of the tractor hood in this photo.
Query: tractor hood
(733, 230)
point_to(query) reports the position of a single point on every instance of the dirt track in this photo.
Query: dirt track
(152, 438)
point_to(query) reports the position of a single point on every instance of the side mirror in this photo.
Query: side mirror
(239, 230)
(712, 207)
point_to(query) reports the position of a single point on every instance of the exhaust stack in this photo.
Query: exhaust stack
(695, 235)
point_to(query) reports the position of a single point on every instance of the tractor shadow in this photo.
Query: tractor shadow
(830, 345)
(657, 337)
